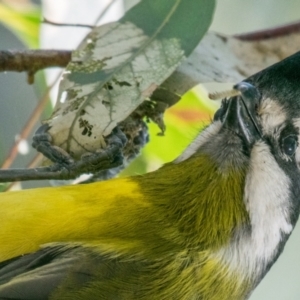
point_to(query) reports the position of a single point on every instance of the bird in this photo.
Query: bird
(206, 226)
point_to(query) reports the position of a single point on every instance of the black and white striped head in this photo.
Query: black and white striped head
(260, 129)
(278, 114)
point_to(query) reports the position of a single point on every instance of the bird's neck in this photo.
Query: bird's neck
(206, 204)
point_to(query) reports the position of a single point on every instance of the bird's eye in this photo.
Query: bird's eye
(290, 144)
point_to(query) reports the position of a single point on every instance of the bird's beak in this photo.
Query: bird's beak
(241, 115)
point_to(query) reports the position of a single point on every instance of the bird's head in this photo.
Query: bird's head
(258, 132)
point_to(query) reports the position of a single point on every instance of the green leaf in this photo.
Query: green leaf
(120, 64)
(25, 24)
(185, 20)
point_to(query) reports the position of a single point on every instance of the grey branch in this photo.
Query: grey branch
(34, 60)
(31, 61)
(269, 33)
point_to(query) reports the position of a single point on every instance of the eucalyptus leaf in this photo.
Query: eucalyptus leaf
(119, 65)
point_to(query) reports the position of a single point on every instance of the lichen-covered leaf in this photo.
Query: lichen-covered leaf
(120, 64)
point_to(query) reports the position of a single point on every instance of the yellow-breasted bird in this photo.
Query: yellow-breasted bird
(207, 226)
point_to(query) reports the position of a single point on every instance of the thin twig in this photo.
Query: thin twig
(46, 21)
(104, 11)
(102, 14)
(43, 173)
(270, 33)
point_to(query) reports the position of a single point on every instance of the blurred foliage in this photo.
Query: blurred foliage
(23, 21)
(3, 187)
(184, 120)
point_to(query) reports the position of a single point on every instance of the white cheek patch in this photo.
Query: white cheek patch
(271, 115)
(266, 198)
(204, 136)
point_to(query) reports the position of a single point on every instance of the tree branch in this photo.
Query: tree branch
(31, 61)
(270, 33)
(43, 173)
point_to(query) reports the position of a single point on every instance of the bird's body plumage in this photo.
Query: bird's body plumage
(136, 227)
(205, 227)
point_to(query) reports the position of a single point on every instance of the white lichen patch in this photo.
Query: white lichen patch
(113, 70)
